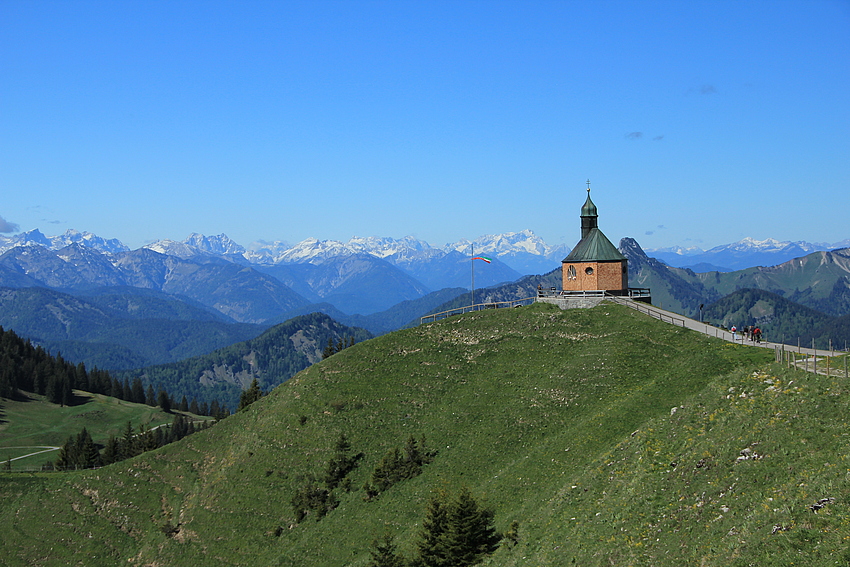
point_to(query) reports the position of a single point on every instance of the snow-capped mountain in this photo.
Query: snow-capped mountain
(501, 244)
(383, 247)
(198, 244)
(524, 251)
(677, 250)
(264, 252)
(745, 253)
(315, 251)
(221, 244)
(70, 236)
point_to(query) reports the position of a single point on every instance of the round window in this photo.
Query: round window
(588, 271)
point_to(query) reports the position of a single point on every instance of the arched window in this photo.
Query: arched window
(571, 273)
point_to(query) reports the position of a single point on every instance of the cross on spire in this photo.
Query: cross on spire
(588, 186)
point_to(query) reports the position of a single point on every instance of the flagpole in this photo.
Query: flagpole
(472, 263)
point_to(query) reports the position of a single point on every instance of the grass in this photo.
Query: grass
(32, 422)
(560, 420)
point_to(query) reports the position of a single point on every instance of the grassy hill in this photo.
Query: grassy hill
(31, 421)
(610, 437)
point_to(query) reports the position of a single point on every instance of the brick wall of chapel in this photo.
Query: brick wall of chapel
(606, 275)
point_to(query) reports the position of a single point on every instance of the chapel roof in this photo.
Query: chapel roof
(593, 246)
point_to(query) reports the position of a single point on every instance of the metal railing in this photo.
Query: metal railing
(648, 310)
(477, 307)
(632, 292)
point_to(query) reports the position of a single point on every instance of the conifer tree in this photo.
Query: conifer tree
(330, 349)
(342, 463)
(471, 533)
(89, 455)
(384, 554)
(431, 548)
(456, 532)
(251, 395)
(137, 391)
(111, 451)
(115, 390)
(214, 410)
(129, 444)
(150, 396)
(164, 401)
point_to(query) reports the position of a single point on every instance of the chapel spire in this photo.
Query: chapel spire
(589, 216)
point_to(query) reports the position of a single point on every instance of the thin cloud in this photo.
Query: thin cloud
(703, 90)
(634, 135)
(6, 226)
(658, 138)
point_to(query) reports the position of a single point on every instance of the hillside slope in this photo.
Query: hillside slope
(612, 438)
(118, 328)
(778, 318)
(271, 358)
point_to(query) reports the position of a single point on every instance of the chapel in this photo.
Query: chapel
(594, 263)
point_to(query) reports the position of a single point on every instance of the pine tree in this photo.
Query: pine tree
(89, 455)
(341, 463)
(330, 349)
(150, 396)
(129, 446)
(432, 544)
(115, 390)
(111, 451)
(137, 391)
(456, 532)
(384, 554)
(251, 395)
(311, 497)
(67, 457)
(471, 533)
(164, 401)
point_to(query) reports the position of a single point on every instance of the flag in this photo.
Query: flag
(488, 260)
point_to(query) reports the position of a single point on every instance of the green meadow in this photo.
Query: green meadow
(32, 422)
(610, 438)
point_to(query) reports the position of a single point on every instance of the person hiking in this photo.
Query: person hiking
(757, 335)
(733, 332)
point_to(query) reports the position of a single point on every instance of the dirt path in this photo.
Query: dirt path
(44, 449)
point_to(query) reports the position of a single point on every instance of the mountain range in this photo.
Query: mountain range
(746, 253)
(99, 302)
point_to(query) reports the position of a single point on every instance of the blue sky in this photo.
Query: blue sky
(698, 123)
